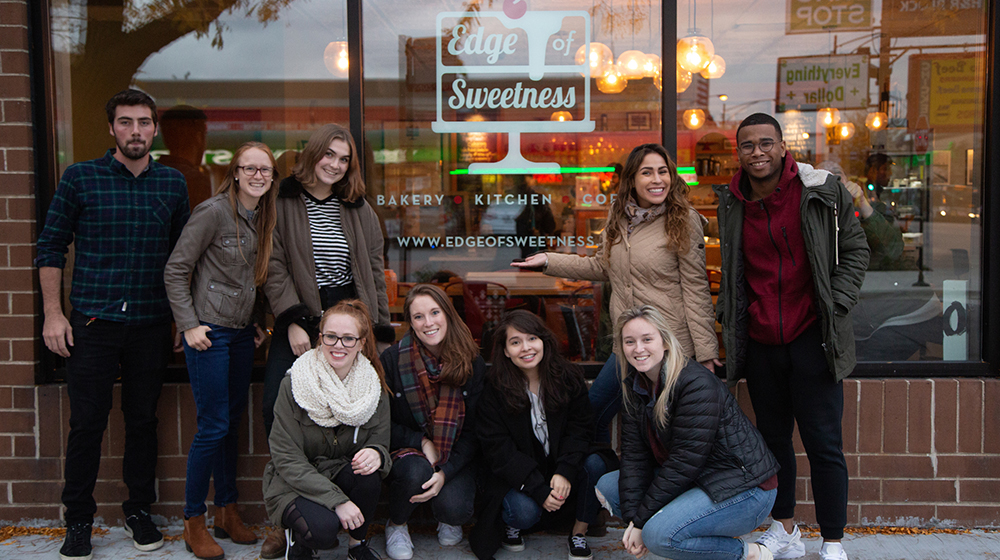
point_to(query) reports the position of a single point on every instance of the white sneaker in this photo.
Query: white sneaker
(780, 543)
(449, 535)
(832, 551)
(763, 552)
(397, 542)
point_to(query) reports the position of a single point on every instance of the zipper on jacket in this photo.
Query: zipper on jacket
(836, 238)
(787, 244)
(781, 321)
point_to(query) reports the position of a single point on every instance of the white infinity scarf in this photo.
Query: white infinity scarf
(329, 401)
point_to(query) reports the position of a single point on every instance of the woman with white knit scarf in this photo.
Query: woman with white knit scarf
(330, 438)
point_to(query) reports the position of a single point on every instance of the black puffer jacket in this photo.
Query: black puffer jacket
(709, 441)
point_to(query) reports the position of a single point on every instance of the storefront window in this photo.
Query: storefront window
(490, 144)
(903, 86)
(489, 135)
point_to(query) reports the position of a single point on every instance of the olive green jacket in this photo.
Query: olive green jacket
(838, 256)
(305, 457)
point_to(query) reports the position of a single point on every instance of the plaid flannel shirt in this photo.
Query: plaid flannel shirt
(124, 228)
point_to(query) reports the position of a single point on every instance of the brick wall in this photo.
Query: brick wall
(920, 451)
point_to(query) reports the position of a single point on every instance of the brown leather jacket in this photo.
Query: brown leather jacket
(209, 276)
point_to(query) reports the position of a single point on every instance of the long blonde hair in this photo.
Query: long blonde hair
(266, 214)
(677, 223)
(673, 359)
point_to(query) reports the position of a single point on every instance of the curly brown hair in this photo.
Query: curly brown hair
(677, 221)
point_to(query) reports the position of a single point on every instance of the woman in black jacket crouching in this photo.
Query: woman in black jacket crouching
(536, 431)
(694, 471)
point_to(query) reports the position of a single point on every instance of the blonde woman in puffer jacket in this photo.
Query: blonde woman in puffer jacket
(653, 253)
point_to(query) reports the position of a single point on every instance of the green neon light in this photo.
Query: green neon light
(530, 171)
(688, 171)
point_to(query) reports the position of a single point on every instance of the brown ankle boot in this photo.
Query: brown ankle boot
(274, 545)
(199, 542)
(228, 525)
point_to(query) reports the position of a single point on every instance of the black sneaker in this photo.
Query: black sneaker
(362, 551)
(578, 548)
(297, 550)
(145, 535)
(77, 543)
(512, 540)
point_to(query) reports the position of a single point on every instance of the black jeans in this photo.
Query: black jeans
(454, 503)
(103, 351)
(280, 356)
(791, 384)
(316, 526)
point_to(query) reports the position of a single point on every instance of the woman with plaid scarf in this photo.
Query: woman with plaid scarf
(435, 376)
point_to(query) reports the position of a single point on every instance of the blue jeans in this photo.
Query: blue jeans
(606, 398)
(220, 381)
(692, 526)
(523, 512)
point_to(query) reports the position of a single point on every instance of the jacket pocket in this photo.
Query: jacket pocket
(844, 329)
(223, 299)
(236, 249)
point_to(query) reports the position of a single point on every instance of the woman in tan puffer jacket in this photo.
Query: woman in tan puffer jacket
(653, 253)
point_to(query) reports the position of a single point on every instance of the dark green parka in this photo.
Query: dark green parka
(838, 255)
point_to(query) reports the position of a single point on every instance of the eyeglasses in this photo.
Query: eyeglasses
(765, 146)
(250, 170)
(347, 341)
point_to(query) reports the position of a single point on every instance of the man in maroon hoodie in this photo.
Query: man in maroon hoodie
(793, 260)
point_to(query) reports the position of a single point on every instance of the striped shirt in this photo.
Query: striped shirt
(123, 228)
(330, 250)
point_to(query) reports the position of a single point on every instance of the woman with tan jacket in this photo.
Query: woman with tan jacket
(653, 253)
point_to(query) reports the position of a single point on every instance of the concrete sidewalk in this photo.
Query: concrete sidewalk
(115, 544)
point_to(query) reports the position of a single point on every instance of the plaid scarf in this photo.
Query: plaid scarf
(438, 408)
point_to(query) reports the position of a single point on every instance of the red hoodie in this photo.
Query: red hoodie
(776, 265)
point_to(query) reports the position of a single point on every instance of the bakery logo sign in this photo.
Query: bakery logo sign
(508, 72)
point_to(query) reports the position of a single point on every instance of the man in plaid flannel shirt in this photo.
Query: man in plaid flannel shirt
(123, 212)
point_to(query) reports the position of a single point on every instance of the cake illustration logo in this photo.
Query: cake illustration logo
(516, 66)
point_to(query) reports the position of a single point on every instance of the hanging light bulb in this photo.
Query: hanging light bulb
(876, 120)
(651, 66)
(630, 64)
(561, 116)
(335, 58)
(612, 81)
(694, 118)
(658, 81)
(715, 69)
(683, 80)
(828, 117)
(845, 130)
(600, 58)
(694, 52)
